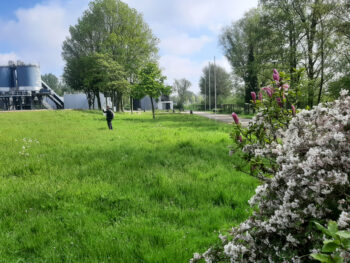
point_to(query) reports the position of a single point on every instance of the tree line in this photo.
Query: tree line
(313, 35)
(112, 50)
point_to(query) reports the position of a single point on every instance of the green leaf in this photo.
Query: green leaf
(344, 234)
(332, 227)
(330, 247)
(337, 259)
(323, 229)
(322, 257)
(346, 243)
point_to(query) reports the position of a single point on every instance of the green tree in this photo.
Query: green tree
(51, 80)
(151, 83)
(110, 27)
(181, 88)
(240, 42)
(224, 84)
(59, 86)
(290, 34)
(106, 75)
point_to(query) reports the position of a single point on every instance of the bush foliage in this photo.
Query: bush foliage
(311, 183)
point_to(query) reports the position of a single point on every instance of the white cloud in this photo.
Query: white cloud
(223, 62)
(195, 13)
(176, 67)
(5, 58)
(37, 34)
(176, 22)
(182, 44)
(213, 13)
(188, 31)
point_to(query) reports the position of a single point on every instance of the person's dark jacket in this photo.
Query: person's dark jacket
(109, 114)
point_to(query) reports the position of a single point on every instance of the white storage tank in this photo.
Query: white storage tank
(28, 78)
(6, 78)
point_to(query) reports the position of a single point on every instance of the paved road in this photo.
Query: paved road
(221, 117)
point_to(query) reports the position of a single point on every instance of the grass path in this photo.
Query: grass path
(148, 191)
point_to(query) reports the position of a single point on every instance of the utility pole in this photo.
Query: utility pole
(209, 88)
(205, 92)
(215, 83)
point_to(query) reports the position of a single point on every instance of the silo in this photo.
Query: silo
(28, 78)
(6, 78)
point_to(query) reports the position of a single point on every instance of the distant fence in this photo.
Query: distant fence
(225, 108)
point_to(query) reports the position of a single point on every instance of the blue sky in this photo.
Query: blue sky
(33, 31)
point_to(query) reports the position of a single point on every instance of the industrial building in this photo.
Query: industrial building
(80, 101)
(21, 87)
(162, 103)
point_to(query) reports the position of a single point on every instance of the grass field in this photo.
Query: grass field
(148, 191)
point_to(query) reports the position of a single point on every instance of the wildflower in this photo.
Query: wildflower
(276, 75)
(235, 117)
(285, 86)
(279, 102)
(268, 91)
(253, 96)
(260, 96)
(293, 110)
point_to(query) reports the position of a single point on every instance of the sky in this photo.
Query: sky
(33, 31)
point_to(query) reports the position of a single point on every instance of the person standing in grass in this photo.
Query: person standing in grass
(109, 117)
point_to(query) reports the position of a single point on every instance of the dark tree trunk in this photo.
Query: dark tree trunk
(311, 33)
(322, 64)
(251, 79)
(91, 98)
(131, 105)
(292, 54)
(121, 103)
(98, 100)
(152, 108)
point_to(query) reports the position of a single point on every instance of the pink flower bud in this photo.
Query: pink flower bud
(253, 96)
(276, 75)
(285, 86)
(260, 96)
(240, 138)
(279, 102)
(293, 110)
(268, 91)
(235, 118)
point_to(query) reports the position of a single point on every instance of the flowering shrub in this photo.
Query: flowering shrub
(311, 184)
(275, 109)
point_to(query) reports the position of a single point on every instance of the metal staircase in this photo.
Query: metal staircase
(53, 96)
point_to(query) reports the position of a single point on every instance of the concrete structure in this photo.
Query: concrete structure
(162, 103)
(80, 101)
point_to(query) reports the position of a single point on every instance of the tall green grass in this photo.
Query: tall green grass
(148, 191)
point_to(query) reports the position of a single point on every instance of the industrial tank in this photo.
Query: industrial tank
(28, 78)
(6, 78)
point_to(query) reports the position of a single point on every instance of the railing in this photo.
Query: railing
(15, 93)
(52, 95)
(225, 108)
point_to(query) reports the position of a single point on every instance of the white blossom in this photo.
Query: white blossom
(314, 169)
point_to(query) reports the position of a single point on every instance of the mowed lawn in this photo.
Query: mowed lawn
(148, 191)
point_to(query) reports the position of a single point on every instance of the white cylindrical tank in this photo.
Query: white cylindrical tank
(6, 78)
(28, 77)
